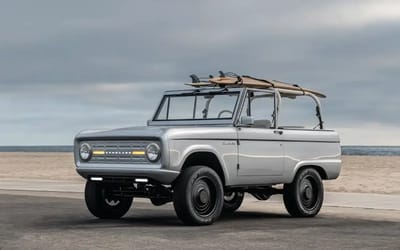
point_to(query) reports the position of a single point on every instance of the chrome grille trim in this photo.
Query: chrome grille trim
(118, 151)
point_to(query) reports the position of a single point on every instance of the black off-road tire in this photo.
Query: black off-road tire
(232, 201)
(198, 196)
(102, 206)
(304, 196)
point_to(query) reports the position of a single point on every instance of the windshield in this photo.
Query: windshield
(197, 106)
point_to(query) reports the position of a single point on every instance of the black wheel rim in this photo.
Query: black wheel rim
(109, 200)
(309, 192)
(204, 196)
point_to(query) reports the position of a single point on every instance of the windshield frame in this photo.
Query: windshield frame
(198, 92)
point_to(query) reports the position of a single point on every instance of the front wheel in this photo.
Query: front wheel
(198, 196)
(102, 205)
(304, 196)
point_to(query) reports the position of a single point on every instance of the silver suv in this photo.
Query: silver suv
(207, 146)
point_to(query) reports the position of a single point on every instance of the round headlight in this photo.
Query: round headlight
(153, 152)
(85, 151)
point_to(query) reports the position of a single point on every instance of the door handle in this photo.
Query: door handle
(278, 132)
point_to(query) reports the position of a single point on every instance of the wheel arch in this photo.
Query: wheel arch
(205, 158)
(321, 171)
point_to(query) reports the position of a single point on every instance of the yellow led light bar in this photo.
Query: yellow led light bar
(138, 152)
(99, 152)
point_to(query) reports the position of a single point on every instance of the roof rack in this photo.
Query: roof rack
(232, 80)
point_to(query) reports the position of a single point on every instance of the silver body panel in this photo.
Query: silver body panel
(264, 157)
(248, 156)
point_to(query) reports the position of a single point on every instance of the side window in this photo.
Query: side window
(261, 106)
(298, 113)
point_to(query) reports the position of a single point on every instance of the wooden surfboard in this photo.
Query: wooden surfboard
(251, 82)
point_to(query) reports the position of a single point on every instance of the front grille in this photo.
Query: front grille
(118, 151)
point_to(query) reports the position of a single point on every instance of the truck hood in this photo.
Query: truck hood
(151, 132)
(138, 132)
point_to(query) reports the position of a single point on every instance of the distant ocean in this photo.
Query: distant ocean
(371, 150)
(346, 150)
(36, 149)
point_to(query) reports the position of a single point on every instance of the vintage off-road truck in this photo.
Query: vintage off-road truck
(205, 147)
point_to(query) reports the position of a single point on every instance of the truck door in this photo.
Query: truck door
(260, 146)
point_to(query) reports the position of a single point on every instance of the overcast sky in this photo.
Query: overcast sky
(72, 65)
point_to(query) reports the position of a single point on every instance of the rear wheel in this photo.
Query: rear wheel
(198, 196)
(304, 196)
(232, 201)
(102, 205)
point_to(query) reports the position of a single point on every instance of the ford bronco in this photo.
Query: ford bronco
(208, 145)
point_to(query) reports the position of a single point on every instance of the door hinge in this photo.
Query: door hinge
(238, 142)
(238, 166)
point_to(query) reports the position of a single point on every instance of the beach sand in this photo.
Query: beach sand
(360, 174)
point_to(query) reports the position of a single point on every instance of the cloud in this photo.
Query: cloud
(73, 65)
(370, 134)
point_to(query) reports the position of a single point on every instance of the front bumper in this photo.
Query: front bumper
(153, 172)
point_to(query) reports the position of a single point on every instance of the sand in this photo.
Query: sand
(368, 174)
(360, 174)
(52, 166)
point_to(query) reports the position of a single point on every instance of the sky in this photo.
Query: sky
(71, 65)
